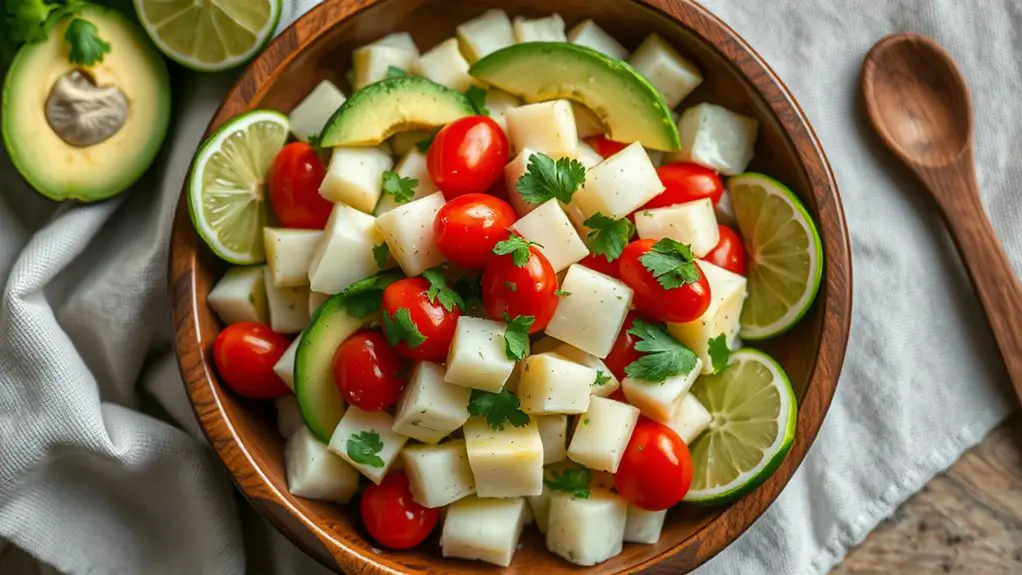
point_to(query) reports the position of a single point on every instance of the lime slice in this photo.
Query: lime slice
(226, 189)
(753, 409)
(785, 255)
(209, 35)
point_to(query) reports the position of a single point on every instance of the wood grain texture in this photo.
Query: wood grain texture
(318, 46)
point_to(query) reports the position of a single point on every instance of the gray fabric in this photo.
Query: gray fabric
(91, 483)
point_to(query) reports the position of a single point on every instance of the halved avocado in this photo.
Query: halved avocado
(632, 109)
(86, 132)
(374, 113)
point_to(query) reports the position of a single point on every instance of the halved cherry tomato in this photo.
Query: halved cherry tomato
(623, 351)
(604, 146)
(392, 517)
(432, 319)
(681, 304)
(729, 252)
(686, 182)
(367, 370)
(294, 183)
(526, 290)
(656, 469)
(467, 228)
(600, 264)
(244, 354)
(467, 156)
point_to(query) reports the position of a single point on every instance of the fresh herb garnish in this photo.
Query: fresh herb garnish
(601, 378)
(608, 237)
(403, 189)
(439, 290)
(561, 293)
(663, 356)
(87, 47)
(516, 336)
(573, 480)
(518, 247)
(30, 21)
(671, 263)
(470, 289)
(395, 72)
(499, 409)
(399, 328)
(546, 179)
(477, 97)
(381, 253)
(363, 448)
(365, 297)
(719, 352)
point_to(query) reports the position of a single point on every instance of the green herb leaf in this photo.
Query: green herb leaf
(608, 237)
(365, 297)
(499, 409)
(381, 254)
(399, 327)
(663, 356)
(470, 289)
(516, 337)
(477, 97)
(403, 189)
(363, 448)
(720, 353)
(395, 72)
(510, 285)
(438, 289)
(518, 247)
(87, 47)
(314, 140)
(424, 144)
(545, 179)
(671, 263)
(574, 480)
(601, 378)
(27, 19)
(561, 293)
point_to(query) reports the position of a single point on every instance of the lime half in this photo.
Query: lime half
(227, 186)
(785, 255)
(753, 409)
(209, 35)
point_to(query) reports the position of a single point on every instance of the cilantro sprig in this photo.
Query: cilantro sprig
(365, 297)
(516, 336)
(398, 327)
(87, 47)
(440, 291)
(608, 237)
(671, 263)
(395, 72)
(663, 356)
(403, 189)
(30, 21)
(517, 247)
(477, 98)
(719, 352)
(364, 448)
(499, 409)
(601, 378)
(546, 179)
(574, 480)
(381, 255)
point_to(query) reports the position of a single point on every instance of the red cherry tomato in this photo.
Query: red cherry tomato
(681, 304)
(618, 395)
(467, 228)
(294, 183)
(499, 190)
(467, 156)
(600, 264)
(605, 147)
(527, 290)
(432, 320)
(656, 469)
(244, 354)
(367, 370)
(686, 182)
(729, 252)
(623, 351)
(392, 517)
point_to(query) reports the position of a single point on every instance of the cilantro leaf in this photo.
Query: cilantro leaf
(608, 237)
(315, 139)
(574, 480)
(363, 448)
(477, 97)
(720, 353)
(561, 293)
(87, 47)
(438, 289)
(671, 263)
(27, 19)
(399, 328)
(545, 179)
(381, 254)
(424, 144)
(516, 336)
(470, 289)
(601, 378)
(499, 409)
(663, 356)
(365, 297)
(403, 189)
(518, 247)
(395, 72)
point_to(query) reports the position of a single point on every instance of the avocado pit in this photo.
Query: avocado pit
(83, 113)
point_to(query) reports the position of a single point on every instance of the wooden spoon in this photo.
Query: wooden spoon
(919, 104)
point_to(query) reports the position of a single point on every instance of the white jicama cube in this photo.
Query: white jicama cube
(551, 384)
(586, 531)
(553, 432)
(403, 142)
(644, 526)
(547, 127)
(505, 463)
(587, 123)
(401, 40)
(691, 223)
(602, 434)
(576, 319)
(605, 382)
(690, 419)
(312, 113)
(498, 102)
(727, 294)
(289, 416)
(355, 177)
(314, 472)
(285, 366)
(408, 230)
(658, 401)
(429, 408)
(548, 226)
(445, 65)
(549, 29)
(373, 63)
(345, 251)
(316, 299)
(477, 358)
(716, 138)
(485, 34)
(359, 427)
(670, 73)
(540, 506)
(412, 165)
(483, 529)
(289, 306)
(438, 474)
(588, 34)
(619, 185)
(515, 169)
(289, 253)
(725, 210)
(588, 156)
(240, 296)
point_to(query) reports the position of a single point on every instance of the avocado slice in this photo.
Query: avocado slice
(64, 153)
(374, 113)
(632, 109)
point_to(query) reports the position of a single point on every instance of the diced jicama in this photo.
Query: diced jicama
(429, 408)
(552, 384)
(587, 123)
(669, 72)
(314, 472)
(289, 306)
(373, 63)
(548, 29)
(403, 142)
(505, 463)
(588, 156)
(477, 358)
(445, 65)
(408, 230)
(553, 432)
(289, 253)
(575, 320)
(345, 251)
(602, 434)
(716, 138)
(311, 114)
(548, 226)
(605, 382)
(540, 506)
(355, 177)
(619, 185)
(727, 294)
(547, 127)
(240, 296)
(586, 531)
(644, 526)
(316, 299)
(438, 474)
(658, 400)
(485, 34)
(588, 34)
(515, 169)
(483, 529)
(725, 210)
(412, 165)
(359, 427)
(285, 366)
(690, 419)
(691, 223)
(498, 102)
(401, 40)
(289, 416)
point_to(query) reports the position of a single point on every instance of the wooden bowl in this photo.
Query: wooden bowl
(319, 45)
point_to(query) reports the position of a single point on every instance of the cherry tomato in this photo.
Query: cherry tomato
(432, 320)
(527, 290)
(604, 146)
(729, 252)
(656, 468)
(681, 304)
(499, 190)
(600, 264)
(623, 351)
(618, 395)
(367, 370)
(686, 182)
(467, 228)
(467, 156)
(244, 354)
(392, 517)
(294, 183)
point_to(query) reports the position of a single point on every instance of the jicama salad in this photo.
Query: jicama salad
(504, 283)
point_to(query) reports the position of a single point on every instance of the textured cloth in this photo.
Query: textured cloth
(102, 467)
